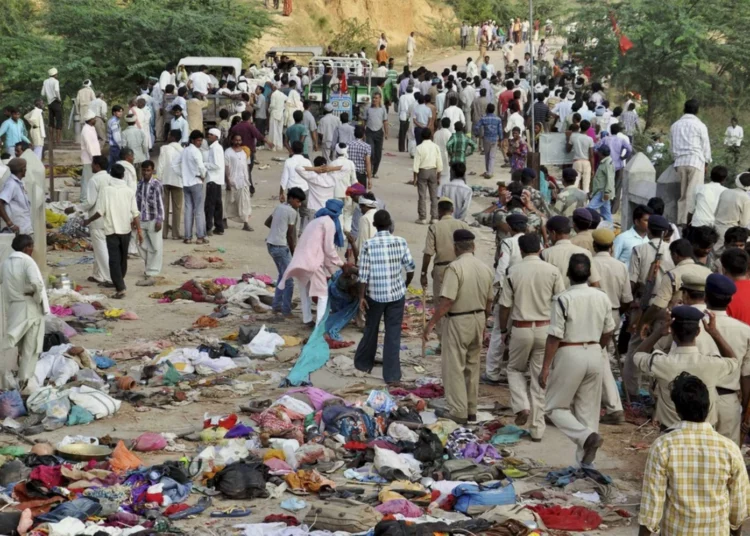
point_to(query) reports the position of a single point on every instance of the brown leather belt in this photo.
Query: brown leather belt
(530, 323)
(446, 263)
(578, 343)
(475, 311)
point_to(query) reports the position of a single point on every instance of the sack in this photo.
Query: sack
(343, 515)
(474, 499)
(242, 480)
(468, 470)
(37, 402)
(98, 403)
(11, 405)
(265, 343)
(149, 441)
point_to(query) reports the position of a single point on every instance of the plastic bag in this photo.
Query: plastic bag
(79, 415)
(122, 460)
(265, 343)
(429, 447)
(57, 414)
(149, 441)
(98, 403)
(243, 480)
(381, 401)
(11, 405)
(89, 375)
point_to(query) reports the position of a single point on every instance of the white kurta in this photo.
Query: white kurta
(292, 104)
(276, 114)
(131, 180)
(36, 133)
(20, 275)
(238, 206)
(143, 122)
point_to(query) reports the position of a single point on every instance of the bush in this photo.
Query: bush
(354, 35)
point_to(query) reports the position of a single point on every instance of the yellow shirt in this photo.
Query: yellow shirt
(427, 156)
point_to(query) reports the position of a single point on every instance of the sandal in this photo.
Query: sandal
(202, 241)
(118, 295)
(194, 510)
(187, 241)
(235, 511)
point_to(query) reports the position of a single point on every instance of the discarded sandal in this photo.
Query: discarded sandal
(232, 512)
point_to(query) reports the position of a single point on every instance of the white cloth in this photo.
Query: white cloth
(189, 165)
(292, 104)
(200, 81)
(471, 71)
(165, 79)
(405, 103)
(36, 121)
(704, 204)
(89, 144)
(346, 178)
(440, 139)
(455, 114)
(215, 163)
(51, 90)
(164, 171)
(733, 136)
(320, 187)
(289, 177)
(117, 207)
(691, 145)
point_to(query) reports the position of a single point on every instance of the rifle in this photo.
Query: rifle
(647, 288)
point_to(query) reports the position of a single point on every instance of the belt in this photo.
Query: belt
(578, 343)
(723, 391)
(581, 160)
(475, 311)
(530, 323)
(446, 263)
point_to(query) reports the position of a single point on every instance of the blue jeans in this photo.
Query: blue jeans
(282, 299)
(194, 207)
(114, 155)
(603, 207)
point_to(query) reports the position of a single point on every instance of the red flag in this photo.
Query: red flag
(343, 87)
(625, 43)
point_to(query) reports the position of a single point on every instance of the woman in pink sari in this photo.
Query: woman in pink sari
(315, 258)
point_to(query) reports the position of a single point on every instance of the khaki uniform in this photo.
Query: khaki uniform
(580, 315)
(560, 255)
(643, 257)
(510, 255)
(728, 402)
(668, 290)
(467, 281)
(733, 209)
(528, 292)
(616, 286)
(712, 369)
(439, 244)
(569, 199)
(585, 240)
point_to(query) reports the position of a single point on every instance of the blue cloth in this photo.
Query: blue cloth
(103, 362)
(491, 494)
(544, 187)
(14, 132)
(342, 308)
(80, 508)
(314, 355)
(624, 244)
(602, 207)
(492, 127)
(282, 299)
(333, 209)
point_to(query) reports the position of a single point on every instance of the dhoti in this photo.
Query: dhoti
(25, 332)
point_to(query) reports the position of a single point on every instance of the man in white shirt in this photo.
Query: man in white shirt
(471, 70)
(200, 81)
(26, 305)
(214, 184)
(99, 180)
(405, 103)
(348, 175)
(290, 179)
(703, 210)
(172, 184)
(89, 149)
(733, 139)
(191, 168)
(99, 107)
(51, 92)
(440, 138)
(691, 149)
(454, 114)
(167, 76)
(428, 165)
(563, 109)
(321, 180)
(276, 113)
(119, 212)
(411, 48)
(35, 118)
(488, 67)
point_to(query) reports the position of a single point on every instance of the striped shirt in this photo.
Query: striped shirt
(690, 143)
(629, 122)
(358, 151)
(381, 263)
(150, 200)
(695, 483)
(114, 136)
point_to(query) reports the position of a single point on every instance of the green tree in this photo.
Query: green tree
(672, 53)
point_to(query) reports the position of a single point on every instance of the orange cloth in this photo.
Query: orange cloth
(308, 480)
(123, 460)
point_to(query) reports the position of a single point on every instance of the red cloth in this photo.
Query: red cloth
(355, 445)
(336, 345)
(429, 390)
(739, 307)
(575, 518)
(175, 508)
(290, 521)
(49, 476)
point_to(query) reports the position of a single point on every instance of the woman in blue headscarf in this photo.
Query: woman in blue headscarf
(315, 258)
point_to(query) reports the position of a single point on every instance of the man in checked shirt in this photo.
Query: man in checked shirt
(150, 201)
(695, 481)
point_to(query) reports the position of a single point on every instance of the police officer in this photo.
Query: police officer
(570, 197)
(439, 243)
(526, 298)
(465, 301)
(615, 284)
(685, 356)
(510, 254)
(582, 223)
(580, 326)
(558, 229)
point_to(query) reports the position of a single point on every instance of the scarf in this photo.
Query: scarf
(333, 209)
(356, 189)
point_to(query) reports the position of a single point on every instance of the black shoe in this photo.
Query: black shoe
(590, 447)
(445, 414)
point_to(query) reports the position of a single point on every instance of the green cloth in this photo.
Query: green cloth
(459, 146)
(604, 180)
(298, 131)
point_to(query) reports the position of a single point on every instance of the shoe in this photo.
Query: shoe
(209, 233)
(522, 417)
(615, 418)
(148, 282)
(472, 418)
(536, 439)
(107, 284)
(486, 380)
(421, 222)
(592, 444)
(445, 414)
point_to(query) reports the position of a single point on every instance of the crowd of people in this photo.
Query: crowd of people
(567, 298)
